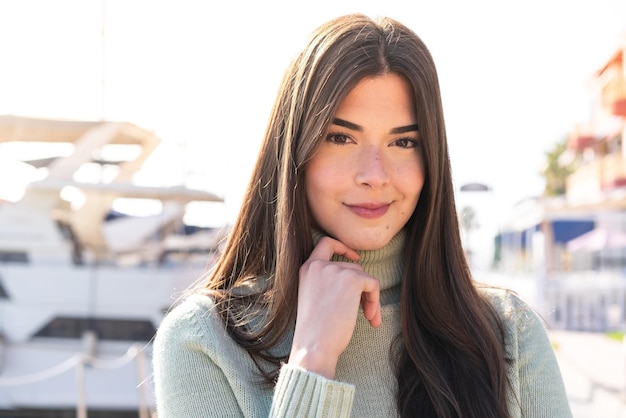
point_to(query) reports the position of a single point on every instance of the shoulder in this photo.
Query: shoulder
(199, 370)
(191, 310)
(523, 328)
(531, 366)
(192, 322)
(508, 304)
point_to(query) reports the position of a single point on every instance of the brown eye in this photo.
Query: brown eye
(406, 143)
(339, 139)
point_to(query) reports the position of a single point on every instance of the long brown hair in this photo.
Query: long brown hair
(450, 355)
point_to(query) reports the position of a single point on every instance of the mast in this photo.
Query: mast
(103, 63)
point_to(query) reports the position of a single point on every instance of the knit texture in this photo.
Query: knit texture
(200, 372)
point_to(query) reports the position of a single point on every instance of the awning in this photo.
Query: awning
(598, 239)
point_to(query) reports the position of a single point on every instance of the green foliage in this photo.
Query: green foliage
(557, 169)
(615, 335)
(468, 219)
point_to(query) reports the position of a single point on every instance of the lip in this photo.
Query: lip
(369, 210)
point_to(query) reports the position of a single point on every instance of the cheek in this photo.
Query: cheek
(316, 199)
(312, 177)
(410, 178)
(316, 182)
(321, 176)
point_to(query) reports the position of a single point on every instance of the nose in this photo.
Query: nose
(372, 169)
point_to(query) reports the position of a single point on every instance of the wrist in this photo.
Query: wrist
(314, 360)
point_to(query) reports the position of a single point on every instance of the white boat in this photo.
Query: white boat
(82, 291)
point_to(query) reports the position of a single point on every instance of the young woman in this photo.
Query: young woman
(343, 289)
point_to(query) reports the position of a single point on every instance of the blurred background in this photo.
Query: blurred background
(128, 131)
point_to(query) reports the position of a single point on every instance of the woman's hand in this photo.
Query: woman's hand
(329, 296)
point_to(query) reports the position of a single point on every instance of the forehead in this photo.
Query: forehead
(386, 96)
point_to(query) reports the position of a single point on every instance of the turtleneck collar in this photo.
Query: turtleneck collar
(385, 264)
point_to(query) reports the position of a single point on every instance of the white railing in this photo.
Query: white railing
(580, 301)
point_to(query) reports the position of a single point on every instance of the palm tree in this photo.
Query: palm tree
(558, 167)
(468, 223)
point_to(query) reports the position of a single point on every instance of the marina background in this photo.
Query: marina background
(516, 78)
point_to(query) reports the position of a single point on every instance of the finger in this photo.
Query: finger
(327, 247)
(377, 320)
(370, 302)
(372, 314)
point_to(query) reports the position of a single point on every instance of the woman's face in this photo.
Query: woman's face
(364, 181)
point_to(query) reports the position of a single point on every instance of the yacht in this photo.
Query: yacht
(84, 286)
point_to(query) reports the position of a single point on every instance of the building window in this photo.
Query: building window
(105, 329)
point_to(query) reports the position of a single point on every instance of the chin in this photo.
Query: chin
(367, 243)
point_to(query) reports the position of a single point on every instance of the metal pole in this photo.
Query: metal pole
(140, 360)
(104, 68)
(81, 404)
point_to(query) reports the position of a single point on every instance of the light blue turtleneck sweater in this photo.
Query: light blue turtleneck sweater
(201, 372)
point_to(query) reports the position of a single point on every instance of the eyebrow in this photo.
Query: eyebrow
(359, 128)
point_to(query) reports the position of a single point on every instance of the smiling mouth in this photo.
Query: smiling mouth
(369, 210)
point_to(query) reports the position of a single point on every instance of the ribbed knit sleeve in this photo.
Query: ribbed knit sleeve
(300, 393)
